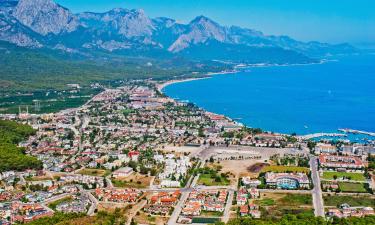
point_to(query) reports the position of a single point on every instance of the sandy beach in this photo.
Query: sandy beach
(161, 86)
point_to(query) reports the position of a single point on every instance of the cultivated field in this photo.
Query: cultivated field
(352, 187)
(337, 200)
(340, 175)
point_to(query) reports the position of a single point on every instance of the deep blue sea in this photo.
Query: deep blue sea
(302, 98)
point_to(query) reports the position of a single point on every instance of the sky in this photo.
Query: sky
(332, 21)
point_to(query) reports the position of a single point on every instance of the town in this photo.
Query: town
(171, 162)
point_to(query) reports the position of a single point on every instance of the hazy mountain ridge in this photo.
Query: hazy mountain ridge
(43, 23)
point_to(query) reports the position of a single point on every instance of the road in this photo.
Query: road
(317, 191)
(228, 206)
(184, 196)
(109, 181)
(134, 211)
(94, 203)
(55, 198)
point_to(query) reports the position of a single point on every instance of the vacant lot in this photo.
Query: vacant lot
(285, 169)
(341, 175)
(135, 180)
(95, 172)
(54, 204)
(208, 180)
(352, 187)
(274, 205)
(238, 167)
(337, 200)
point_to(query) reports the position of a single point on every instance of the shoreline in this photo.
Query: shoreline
(161, 86)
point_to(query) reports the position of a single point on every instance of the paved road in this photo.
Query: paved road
(317, 191)
(109, 181)
(228, 206)
(94, 203)
(184, 196)
(55, 198)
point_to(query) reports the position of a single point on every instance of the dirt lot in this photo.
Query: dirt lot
(135, 180)
(181, 149)
(239, 168)
(143, 218)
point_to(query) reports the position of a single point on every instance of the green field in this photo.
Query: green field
(205, 220)
(206, 179)
(95, 172)
(127, 184)
(285, 169)
(54, 204)
(211, 214)
(352, 187)
(337, 200)
(339, 175)
(265, 202)
(275, 205)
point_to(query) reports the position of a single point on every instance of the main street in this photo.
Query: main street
(317, 191)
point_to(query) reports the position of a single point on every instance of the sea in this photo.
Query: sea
(301, 99)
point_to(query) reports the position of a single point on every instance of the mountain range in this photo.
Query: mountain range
(44, 24)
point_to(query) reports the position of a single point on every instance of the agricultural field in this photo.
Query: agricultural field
(337, 200)
(95, 172)
(341, 175)
(352, 187)
(285, 169)
(48, 101)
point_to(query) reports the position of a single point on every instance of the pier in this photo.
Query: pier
(316, 135)
(357, 132)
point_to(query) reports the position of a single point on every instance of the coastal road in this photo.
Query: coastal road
(317, 191)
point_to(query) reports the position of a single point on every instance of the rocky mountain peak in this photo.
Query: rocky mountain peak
(45, 16)
(201, 29)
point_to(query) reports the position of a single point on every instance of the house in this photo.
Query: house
(244, 210)
(133, 155)
(255, 213)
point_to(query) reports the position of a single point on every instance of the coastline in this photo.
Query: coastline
(332, 134)
(161, 86)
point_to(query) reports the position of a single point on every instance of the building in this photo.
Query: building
(325, 148)
(287, 180)
(122, 172)
(340, 162)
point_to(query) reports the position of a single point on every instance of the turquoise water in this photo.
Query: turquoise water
(302, 99)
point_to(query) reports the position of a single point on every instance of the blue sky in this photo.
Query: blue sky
(322, 20)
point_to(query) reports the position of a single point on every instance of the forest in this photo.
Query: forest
(13, 157)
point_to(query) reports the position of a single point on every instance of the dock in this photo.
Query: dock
(316, 135)
(352, 131)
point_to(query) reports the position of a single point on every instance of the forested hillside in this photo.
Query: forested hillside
(13, 157)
